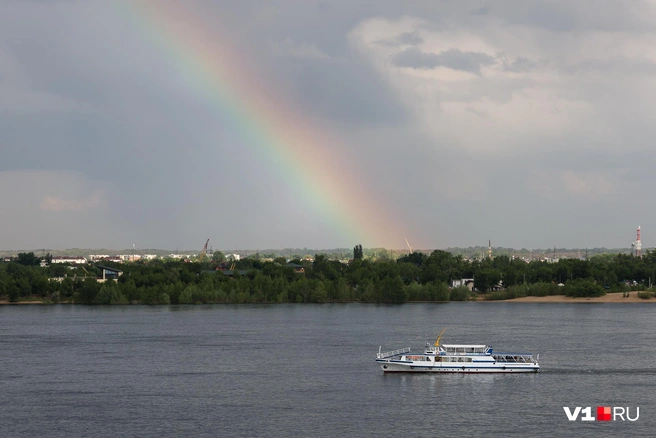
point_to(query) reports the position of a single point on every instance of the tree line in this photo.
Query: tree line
(412, 277)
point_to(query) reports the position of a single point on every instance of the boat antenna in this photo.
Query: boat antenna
(439, 337)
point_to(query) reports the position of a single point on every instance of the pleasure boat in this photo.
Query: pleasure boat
(456, 358)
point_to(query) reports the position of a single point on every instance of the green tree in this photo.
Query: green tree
(460, 293)
(109, 293)
(187, 295)
(485, 279)
(88, 291)
(392, 290)
(583, 288)
(28, 259)
(66, 288)
(13, 292)
(416, 258)
(319, 292)
(218, 257)
(341, 290)
(409, 273)
(357, 252)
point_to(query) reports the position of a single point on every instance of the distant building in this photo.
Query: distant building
(129, 257)
(467, 282)
(109, 273)
(72, 260)
(298, 269)
(179, 256)
(105, 258)
(115, 259)
(233, 272)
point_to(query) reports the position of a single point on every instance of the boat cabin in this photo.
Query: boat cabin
(457, 349)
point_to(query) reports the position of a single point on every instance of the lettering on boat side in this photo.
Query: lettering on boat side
(604, 413)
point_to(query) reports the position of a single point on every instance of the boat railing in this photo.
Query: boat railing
(514, 357)
(392, 353)
(466, 353)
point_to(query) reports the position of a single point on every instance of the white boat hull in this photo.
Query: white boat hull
(395, 367)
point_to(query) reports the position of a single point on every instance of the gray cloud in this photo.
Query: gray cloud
(520, 64)
(410, 38)
(454, 59)
(101, 127)
(346, 93)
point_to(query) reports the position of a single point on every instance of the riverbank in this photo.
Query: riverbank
(614, 297)
(33, 301)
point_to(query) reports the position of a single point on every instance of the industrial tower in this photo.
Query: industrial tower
(638, 244)
(489, 249)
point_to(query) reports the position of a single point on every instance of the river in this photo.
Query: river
(296, 370)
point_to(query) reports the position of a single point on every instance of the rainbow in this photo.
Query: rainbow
(292, 145)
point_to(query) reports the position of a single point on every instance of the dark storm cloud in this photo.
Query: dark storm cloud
(454, 59)
(351, 92)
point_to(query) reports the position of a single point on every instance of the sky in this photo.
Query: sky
(326, 124)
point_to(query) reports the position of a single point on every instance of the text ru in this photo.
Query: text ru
(604, 413)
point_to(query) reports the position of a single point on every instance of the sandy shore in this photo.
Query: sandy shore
(615, 297)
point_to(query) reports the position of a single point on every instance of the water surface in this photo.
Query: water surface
(309, 370)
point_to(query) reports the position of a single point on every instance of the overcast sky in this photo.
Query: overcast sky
(530, 124)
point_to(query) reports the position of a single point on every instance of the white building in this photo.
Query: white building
(73, 260)
(179, 256)
(467, 282)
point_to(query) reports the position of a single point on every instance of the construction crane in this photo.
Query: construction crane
(408, 243)
(203, 252)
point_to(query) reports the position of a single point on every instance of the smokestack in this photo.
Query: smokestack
(638, 244)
